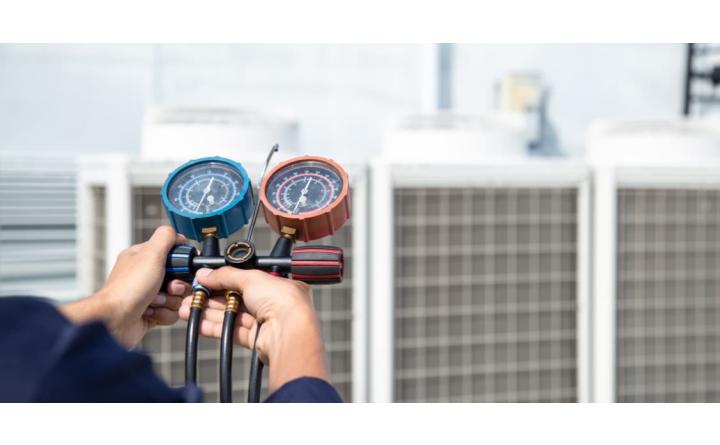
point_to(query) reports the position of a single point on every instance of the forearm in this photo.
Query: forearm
(98, 307)
(85, 310)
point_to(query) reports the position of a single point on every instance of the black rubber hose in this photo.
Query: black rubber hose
(226, 357)
(256, 372)
(191, 345)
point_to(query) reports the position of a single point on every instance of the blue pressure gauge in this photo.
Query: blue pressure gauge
(208, 192)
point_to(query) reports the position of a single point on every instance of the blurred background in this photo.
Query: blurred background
(531, 222)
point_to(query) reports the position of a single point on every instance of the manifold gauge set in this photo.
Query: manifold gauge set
(302, 199)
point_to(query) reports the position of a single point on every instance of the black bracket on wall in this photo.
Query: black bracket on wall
(698, 72)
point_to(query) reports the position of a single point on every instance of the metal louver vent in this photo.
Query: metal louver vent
(37, 226)
(668, 295)
(333, 303)
(485, 294)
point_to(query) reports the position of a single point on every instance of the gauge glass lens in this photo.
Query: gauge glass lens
(205, 188)
(304, 187)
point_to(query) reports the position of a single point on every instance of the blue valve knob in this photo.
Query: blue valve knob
(179, 264)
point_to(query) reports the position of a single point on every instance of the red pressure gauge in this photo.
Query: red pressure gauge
(308, 194)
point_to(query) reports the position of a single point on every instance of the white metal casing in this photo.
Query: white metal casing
(188, 133)
(609, 182)
(653, 142)
(387, 175)
(472, 138)
(651, 157)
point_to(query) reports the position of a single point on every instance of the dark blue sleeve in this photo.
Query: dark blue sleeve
(305, 390)
(45, 358)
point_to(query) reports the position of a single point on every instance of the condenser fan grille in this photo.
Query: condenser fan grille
(668, 306)
(485, 294)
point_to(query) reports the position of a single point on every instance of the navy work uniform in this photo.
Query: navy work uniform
(46, 358)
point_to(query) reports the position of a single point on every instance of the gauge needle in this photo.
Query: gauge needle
(205, 192)
(302, 195)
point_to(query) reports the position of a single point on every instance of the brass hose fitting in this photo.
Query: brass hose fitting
(288, 233)
(232, 301)
(199, 298)
(209, 231)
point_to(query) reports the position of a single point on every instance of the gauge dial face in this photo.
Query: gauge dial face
(304, 187)
(205, 188)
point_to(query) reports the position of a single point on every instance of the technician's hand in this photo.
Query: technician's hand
(289, 342)
(131, 302)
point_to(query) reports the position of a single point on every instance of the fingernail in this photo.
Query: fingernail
(149, 311)
(177, 288)
(160, 299)
(203, 272)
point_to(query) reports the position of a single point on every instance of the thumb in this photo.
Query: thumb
(165, 237)
(224, 278)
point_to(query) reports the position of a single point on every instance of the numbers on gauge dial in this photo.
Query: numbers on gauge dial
(304, 187)
(205, 188)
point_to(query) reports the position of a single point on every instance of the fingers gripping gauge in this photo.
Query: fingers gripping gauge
(308, 194)
(205, 193)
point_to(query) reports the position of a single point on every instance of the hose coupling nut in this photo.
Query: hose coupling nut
(199, 298)
(232, 301)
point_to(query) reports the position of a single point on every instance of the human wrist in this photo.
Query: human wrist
(291, 307)
(92, 308)
(99, 306)
(294, 347)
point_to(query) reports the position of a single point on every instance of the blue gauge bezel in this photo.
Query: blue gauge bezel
(195, 223)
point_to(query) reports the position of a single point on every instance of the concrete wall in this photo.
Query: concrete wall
(587, 81)
(84, 98)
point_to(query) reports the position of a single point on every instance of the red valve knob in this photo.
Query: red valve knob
(317, 264)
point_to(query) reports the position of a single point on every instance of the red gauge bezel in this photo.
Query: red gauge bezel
(312, 225)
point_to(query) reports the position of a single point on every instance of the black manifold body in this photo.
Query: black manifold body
(310, 264)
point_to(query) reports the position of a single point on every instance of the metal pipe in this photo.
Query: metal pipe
(690, 52)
